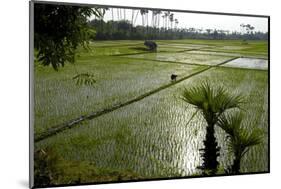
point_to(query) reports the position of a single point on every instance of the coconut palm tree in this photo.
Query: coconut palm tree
(163, 17)
(240, 138)
(147, 21)
(143, 12)
(158, 18)
(153, 15)
(176, 23)
(102, 17)
(124, 14)
(118, 16)
(136, 17)
(112, 14)
(132, 20)
(166, 17)
(171, 18)
(242, 26)
(211, 102)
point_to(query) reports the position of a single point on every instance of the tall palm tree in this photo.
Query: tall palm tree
(211, 102)
(240, 138)
(136, 17)
(166, 17)
(208, 31)
(252, 29)
(132, 20)
(112, 14)
(147, 22)
(124, 14)
(153, 18)
(242, 26)
(158, 18)
(102, 17)
(176, 23)
(163, 17)
(118, 17)
(153, 21)
(143, 12)
(171, 18)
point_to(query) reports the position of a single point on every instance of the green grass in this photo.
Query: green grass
(149, 137)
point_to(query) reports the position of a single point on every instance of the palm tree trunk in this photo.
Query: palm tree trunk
(147, 23)
(136, 17)
(132, 22)
(210, 152)
(235, 168)
(124, 14)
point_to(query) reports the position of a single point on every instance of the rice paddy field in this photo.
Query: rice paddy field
(148, 134)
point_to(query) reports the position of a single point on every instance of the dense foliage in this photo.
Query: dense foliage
(59, 30)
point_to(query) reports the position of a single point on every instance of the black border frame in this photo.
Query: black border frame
(31, 92)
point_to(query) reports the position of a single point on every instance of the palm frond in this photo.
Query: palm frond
(193, 115)
(240, 137)
(208, 98)
(224, 100)
(231, 123)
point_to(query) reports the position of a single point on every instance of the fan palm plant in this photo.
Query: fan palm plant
(240, 140)
(211, 102)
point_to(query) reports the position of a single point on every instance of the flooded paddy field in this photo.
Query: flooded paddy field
(152, 137)
(59, 99)
(250, 63)
(183, 57)
(138, 137)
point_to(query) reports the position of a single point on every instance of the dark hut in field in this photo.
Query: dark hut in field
(151, 45)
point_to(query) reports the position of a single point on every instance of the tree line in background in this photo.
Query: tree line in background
(158, 24)
(123, 29)
(60, 29)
